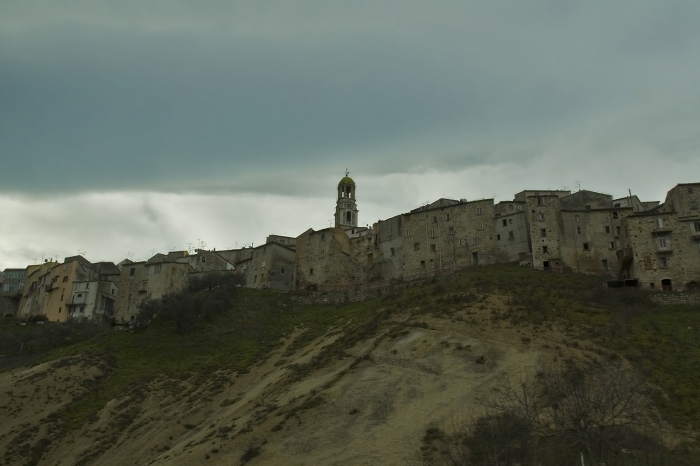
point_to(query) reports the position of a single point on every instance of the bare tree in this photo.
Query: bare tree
(597, 416)
(586, 409)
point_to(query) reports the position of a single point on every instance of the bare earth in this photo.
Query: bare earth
(367, 404)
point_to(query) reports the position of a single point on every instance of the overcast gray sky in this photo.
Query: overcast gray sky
(132, 126)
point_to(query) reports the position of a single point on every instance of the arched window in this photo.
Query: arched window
(348, 215)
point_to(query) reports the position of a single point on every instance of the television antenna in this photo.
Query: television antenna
(81, 252)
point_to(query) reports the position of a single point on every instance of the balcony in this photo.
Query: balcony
(661, 231)
(664, 249)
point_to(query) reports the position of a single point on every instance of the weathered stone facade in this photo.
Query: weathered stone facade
(151, 279)
(326, 259)
(662, 249)
(512, 232)
(272, 265)
(579, 232)
(437, 239)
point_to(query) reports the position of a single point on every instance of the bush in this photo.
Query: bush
(206, 296)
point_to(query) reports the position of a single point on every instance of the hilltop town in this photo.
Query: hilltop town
(650, 245)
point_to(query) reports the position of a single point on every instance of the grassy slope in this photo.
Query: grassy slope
(662, 340)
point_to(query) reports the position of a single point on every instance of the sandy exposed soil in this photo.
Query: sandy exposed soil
(365, 403)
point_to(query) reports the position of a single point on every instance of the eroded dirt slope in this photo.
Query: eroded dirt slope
(362, 394)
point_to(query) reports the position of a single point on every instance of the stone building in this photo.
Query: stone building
(271, 265)
(151, 279)
(661, 247)
(326, 260)
(435, 238)
(203, 260)
(578, 232)
(512, 231)
(288, 241)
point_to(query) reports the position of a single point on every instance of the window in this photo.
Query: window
(663, 243)
(416, 246)
(65, 279)
(540, 201)
(498, 237)
(540, 217)
(451, 230)
(519, 207)
(659, 223)
(543, 232)
(510, 221)
(433, 248)
(422, 215)
(392, 252)
(511, 234)
(157, 269)
(690, 190)
(407, 232)
(505, 222)
(578, 230)
(587, 207)
(576, 217)
(282, 270)
(348, 216)
(696, 227)
(80, 295)
(607, 229)
(310, 256)
(479, 211)
(447, 216)
(615, 214)
(585, 247)
(510, 207)
(311, 271)
(422, 266)
(545, 249)
(431, 233)
(461, 242)
(435, 219)
(617, 231)
(481, 226)
(604, 263)
(611, 245)
(474, 241)
(663, 262)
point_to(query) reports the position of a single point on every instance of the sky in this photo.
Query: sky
(131, 127)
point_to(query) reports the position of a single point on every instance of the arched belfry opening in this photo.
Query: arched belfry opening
(346, 205)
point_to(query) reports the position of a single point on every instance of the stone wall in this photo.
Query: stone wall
(676, 298)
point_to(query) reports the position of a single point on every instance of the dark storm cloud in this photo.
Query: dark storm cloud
(226, 95)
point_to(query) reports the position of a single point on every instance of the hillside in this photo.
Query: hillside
(272, 381)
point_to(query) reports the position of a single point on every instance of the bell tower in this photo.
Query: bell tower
(346, 207)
